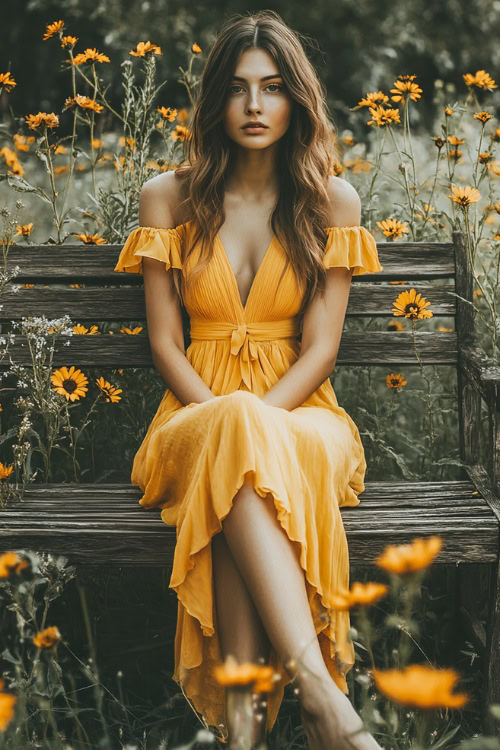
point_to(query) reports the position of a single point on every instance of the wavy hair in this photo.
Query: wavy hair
(308, 151)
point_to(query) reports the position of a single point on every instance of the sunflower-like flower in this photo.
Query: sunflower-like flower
(449, 111)
(11, 160)
(464, 196)
(181, 133)
(359, 593)
(22, 142)
(481, 79)
(69, 41)
(393, 228)
(482, 116)
(420, 686)
(7, 703)
(10, 562)
(5, 470)
(405, 88)
(372, 98)
(47, 638)
(143, 48)
(90, 55)
(82, 330)
(7, 82)
(407, 558)
(50, 120)
(109, 391)
(25, 229)
(91, 239)
(395, 380)
(52, 28)
(84, 102)
(70, 383)
(383, 116)
(395, 325)
(411, 305)
(196, 48)
(232, 674)
(131, 331)
(168, 113)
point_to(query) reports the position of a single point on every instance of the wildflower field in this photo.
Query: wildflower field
(87, 653)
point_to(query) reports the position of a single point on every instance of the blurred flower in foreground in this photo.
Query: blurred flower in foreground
(10, 561)
(360, 593)
(420, 686)
(7, 703)
(231, 674)
(406, 558)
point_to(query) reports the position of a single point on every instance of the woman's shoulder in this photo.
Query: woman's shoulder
(344, 203)
(160, 201)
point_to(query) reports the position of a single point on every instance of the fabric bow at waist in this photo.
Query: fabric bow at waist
(245, 337)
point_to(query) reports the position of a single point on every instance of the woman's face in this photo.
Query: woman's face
(257, 92)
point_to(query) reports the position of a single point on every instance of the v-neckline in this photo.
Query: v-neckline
(233, 275)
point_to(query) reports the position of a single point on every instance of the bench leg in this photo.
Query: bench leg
(492, 660)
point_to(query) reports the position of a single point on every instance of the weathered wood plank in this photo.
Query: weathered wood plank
(356, 348)
(122, 303)
(401, 261)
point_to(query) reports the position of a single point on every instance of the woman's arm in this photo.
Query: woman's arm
(163, 309)
(324, 318)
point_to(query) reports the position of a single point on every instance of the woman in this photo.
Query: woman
(249, 454)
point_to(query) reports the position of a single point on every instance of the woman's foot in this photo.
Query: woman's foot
(329, 719)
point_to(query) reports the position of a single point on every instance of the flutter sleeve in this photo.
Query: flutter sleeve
(150, 242)
(351, 247)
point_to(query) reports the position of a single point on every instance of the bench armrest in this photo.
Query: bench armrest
(479, 380)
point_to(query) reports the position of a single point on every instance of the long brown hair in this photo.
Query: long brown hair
(308, 150)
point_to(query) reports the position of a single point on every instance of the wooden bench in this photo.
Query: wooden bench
(103, 524)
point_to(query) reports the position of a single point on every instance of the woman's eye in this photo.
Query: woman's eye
(236, 86)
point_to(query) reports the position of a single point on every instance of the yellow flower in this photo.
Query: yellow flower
(360, 593)
(91, 55)
(181, 133)
(70, 383)
(68, 41)
(232, 674)
(395, 325)
(9, 562)
(407, 558)
(7, 82)
(444, 328)
(481, 79)
(485, 157)
(35, 121)
(83, 101)
(25, 229)
(11, 160)
(61, 169)
(130, 142)
(411, 305)
(110, 392)
(96, 143)
(464, 196)
(7, 703)
(60, 149)
(52, 28)
(28, 286)
(455, 141)
(404, 86)
(47, 638)
(143, 48)
(449, 111)
(21, 142)
(372, 98)
(80, 329)
(196, 49)
(483, 116)
(393, 228)
(168, 113)
(420, 686)
(382, 116)
(91, 239)
(395, 380)
(133, 331)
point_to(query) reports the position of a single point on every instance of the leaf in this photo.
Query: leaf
(10, 657)
(444, 739)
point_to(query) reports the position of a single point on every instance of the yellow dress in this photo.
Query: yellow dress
(308, 461)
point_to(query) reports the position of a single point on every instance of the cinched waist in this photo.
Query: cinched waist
(245, 334)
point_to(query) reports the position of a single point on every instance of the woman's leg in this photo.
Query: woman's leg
(269, 565)
(239, 626)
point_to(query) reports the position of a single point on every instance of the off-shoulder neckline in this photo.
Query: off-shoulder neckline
(185, 223)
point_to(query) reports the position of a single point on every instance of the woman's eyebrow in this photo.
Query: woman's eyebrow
(265, 78)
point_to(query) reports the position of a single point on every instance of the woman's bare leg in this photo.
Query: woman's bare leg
(269, 565)
(239, 626)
